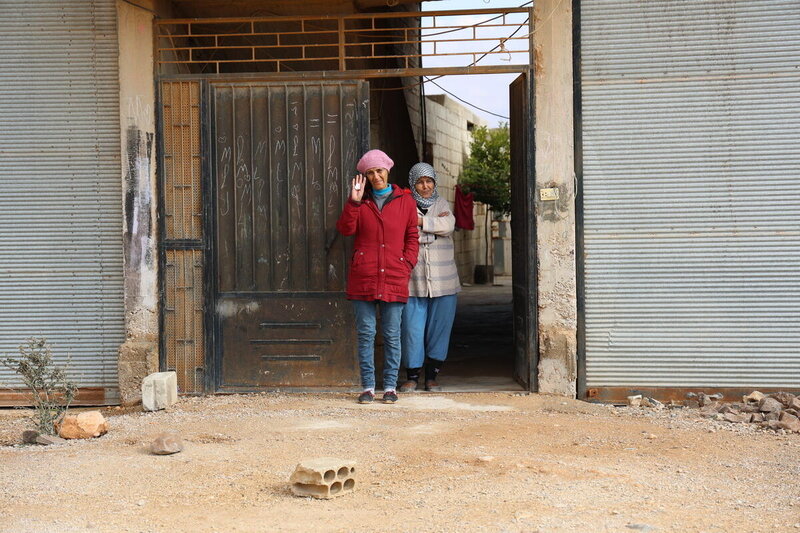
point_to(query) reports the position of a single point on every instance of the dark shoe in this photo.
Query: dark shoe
(389, 396)
(408, 386)
(366, 397)
(431, 385)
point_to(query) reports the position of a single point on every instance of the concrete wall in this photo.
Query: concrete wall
(471, 245)
(555, 219)
(413, 88)
(138, 356)
(449, 136)
(395, 118)
(501, 246)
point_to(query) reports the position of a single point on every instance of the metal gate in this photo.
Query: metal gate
(282, 155)
(691, 195)
(184, 237)
(255, 172)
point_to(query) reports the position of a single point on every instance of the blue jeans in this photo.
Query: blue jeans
(391, 314)
(427, 323)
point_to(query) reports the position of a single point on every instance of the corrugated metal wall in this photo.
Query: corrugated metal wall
(691, 180)
(60, 189)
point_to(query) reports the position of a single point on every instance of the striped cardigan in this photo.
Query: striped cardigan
(435, 273)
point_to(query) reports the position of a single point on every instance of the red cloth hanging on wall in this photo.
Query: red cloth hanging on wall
(463, 209)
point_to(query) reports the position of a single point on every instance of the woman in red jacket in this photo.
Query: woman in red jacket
(383, 218)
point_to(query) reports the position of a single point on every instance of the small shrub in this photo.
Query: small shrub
(51, 391)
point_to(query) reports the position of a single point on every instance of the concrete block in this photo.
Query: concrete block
(159, 391)
(323, 478)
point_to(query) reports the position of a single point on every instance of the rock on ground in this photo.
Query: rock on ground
(47, 440)
(784, 398)
(29, 436)
(84, 425)
(166, 444)
(753, 397)
(769, 405)
(789, 422)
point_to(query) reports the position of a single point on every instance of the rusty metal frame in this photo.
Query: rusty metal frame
(86, 396)
(357, 38)
(618, 395)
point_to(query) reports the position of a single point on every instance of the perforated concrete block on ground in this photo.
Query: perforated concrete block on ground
(159, 391)
(324, 477)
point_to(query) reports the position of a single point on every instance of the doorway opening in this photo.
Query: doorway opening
(256, 165)
(481, 356)
(468, 128)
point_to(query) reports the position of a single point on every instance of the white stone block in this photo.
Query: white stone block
(159, 391)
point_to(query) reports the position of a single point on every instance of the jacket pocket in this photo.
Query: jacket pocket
(400, 270)
(364, 263)
(406, 265)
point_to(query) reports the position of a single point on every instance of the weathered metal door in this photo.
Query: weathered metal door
(523, 231)
(282, 156)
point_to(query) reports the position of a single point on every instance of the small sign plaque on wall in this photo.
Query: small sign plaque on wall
(548, 194)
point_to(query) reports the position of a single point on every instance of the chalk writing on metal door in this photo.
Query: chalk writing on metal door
(282, 157)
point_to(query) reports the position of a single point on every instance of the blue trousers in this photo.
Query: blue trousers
(391, 315)
(427, 323)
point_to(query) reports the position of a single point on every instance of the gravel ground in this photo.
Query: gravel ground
(455, 462)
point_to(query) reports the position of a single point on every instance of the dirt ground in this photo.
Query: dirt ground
(446, 462)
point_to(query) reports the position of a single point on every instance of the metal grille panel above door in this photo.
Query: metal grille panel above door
(691, 193)
(282, 157)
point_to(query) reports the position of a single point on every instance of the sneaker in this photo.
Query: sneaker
(431, 385)
(409, 386)
(366, 397)
(389, 396)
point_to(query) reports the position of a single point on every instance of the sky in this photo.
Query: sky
(488, 91)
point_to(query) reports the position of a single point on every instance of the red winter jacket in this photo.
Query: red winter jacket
(386, 246)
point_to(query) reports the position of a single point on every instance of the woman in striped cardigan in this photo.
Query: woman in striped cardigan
(428, 315)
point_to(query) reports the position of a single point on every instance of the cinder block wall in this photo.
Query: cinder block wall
(449, 124)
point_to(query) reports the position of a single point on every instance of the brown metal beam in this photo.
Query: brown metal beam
(85, 396)
(355, 74)
(357, 16)
(369, 4)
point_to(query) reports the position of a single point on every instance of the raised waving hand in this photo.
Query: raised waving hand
(357, 188)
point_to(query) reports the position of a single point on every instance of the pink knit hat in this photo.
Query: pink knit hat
(374, 159)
